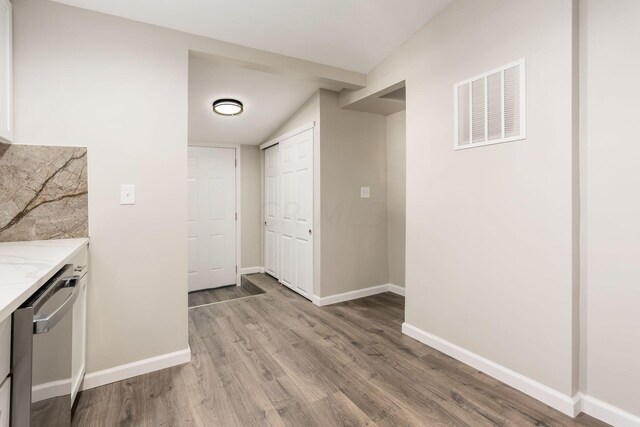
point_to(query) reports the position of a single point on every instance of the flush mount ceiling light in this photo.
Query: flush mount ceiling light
(227, 107)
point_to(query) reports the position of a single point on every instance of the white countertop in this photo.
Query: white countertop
(25, 266)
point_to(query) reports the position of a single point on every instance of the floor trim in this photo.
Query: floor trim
(50, 389)
(128, 370)
(607, 413)
(226, 300)
(251, 270)
(398, 290)
(566, 404)
(360, 293)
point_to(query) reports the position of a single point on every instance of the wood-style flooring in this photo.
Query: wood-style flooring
(211, 296)
(277, 359)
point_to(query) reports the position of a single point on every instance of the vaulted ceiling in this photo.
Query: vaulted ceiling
(351, 34)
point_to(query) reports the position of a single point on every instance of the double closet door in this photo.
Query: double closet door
(288, 195)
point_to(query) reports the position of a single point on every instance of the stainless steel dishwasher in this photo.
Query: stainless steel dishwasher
(42, 353)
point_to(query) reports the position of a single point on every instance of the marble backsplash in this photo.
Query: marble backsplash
(43, 192)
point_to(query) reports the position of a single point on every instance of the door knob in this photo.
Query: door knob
(309, 232)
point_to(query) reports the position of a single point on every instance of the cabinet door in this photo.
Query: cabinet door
(79, 340)
(5, 347)
(6, 72)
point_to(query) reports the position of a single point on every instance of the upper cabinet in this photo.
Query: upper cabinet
(6, 72)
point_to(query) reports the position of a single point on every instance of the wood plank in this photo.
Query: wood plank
(275, 359)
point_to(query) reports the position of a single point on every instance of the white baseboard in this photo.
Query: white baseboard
(251, 270)
(50, 389)
(398, 290)
(122, 372)
(608, 413)
(562, 402)
(360, 293)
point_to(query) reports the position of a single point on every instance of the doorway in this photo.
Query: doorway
(212, 217)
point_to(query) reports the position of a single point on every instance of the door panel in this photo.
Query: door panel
(271, 171)
(302, 266)
(304, 203)
(216, 252)
(192, 247)
(211, 239)
(297, 211)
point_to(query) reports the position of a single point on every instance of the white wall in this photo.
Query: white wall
(610, 66)
(354, 230)
(396, 195)
(120, 88)
(489, 250)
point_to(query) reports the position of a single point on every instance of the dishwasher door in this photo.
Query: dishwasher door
(41, 354)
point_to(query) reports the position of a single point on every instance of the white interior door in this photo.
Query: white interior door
(295, 253)
(212, 217)
(271, 205)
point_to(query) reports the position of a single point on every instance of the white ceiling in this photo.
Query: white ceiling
(269, 99)
(351, 34)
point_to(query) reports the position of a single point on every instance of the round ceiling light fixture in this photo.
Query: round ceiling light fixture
(227, 107)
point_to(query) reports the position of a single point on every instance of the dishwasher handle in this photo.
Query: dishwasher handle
(42, 325)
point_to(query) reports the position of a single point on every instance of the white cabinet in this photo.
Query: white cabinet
(5, 382)
(79, 330)
(79, 340)
(6, 72)
(5, 347)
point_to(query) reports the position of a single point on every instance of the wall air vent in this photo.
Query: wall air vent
(490, 108)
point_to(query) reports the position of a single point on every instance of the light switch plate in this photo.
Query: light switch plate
(365, 192)
(127, 194)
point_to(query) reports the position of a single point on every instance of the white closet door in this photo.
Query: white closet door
(295, 254)
(212, 217)
(271, 206)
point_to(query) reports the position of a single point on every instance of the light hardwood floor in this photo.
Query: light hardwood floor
(276, 359)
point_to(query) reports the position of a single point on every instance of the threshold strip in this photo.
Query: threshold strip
(227, 300)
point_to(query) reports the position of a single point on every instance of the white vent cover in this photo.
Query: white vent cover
(490, 108)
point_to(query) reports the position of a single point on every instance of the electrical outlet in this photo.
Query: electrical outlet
(365, 192)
